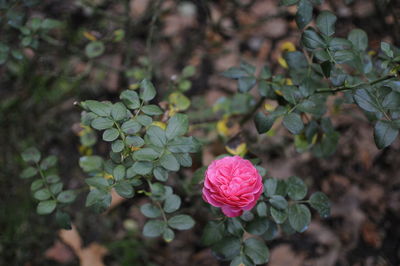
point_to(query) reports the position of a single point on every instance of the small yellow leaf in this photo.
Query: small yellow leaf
(159, 124)
(282, 62)
(89, 36)
(240, 150)
(287, 47)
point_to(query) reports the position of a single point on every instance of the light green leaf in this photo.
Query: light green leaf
(67, 196)
(46, 207)
(94, 49)
(130, 99)
(181, 222)
(118, 111)
(110, 134)
(154, 228)
(145, 154)
(31, 155)
(152, 110)
(101, 123)
(150, 210)
(172, 203)
(124, 189)
(147, 90)
(169, 162)
(177, 126)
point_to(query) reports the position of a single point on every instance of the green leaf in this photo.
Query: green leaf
(246, 83)
(154, 228)
(168, 235)
(152, 110)
(48, 162)
(359, 39)
(293, 123)
(97, 182)
(278, 202)
(270, 186)
(31, 155)
(296, 188)
(227, 248)
(110, 134)
(326, 22)
(262, 209)
(67, 196)
(134, 141)
(141, 168)
(147, 90)
(384, 134)
(212, 233)
(263, 123)
(278, 215)
(96, 196)
(144, 120)
(169, 162)
(272, 231)
(63, 220)
(156, 136)
(264, 89)
(130, 99)
(181, 144)
(99, 108)
(188, 71)
(160, 174)
(49, 23)
(118, 111)
(28, 172)
(288, 2)
(392, 101)
(90, 163)
(46, 207)
(256, 250)
(320, 202)
(56, 188)
(337, 44)
(119, 172)
(177, 126)
(36, 184)
(42, 194)
(52, 179)
(94, 49)
(343, 56)
(150, 210)
(304, 13)
(117, 146)
(235, 73)
(145, 154)
(184, 159)
(387, 49)
(312, 40)
(258, 226)
(124, 189)
(101, 123)
(130, 127)
(366, 100)
(172, 203)
(299, 217)
(181, 222)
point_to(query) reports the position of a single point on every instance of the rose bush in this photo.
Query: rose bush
(233, 184)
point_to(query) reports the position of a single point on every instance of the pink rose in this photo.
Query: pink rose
(233, 184)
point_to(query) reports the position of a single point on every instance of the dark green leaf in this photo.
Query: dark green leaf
(160, 174)
(145, 154)
(130, 99)
(304, 13)
(147, 90)
(36, 184)
(110, 134)
(99, 108)
(117, 146)
(172, 203)
(262, 209)
(67, 196)
(96, 196)
(150, 210)
(181, 222)
(258, 226)
(141, 168)
(263, 122)
(235, 73)
(42, 194)
(130, 127)
(299, 217)
(94, 49)
(46, 207)
(97, 182)
(227, 248)
(326, 22)
(118, 111)
(28, 172)
(359, 39)
(144, 120)
(119, 172)
(278, 202)
(312, 40)
(152, 110)
(56, 188)
(256, 250)
(279, 216)
(384, 134)
(169, 162)
(177, 126)
(48, 162)
(101, 123)
(296, 188)
(184, 159)
(124, 189)
(392, 100)
(63, 220)
(157, 136)
(212, 233)
(246, 83)
(154, 228)
(31, 155)
(288, 2)
(343, 56)
(181, 144)
(293, 123)
(320, 202)
(366, 100)
(91, 163)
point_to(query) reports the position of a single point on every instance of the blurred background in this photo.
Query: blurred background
(54, 53)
